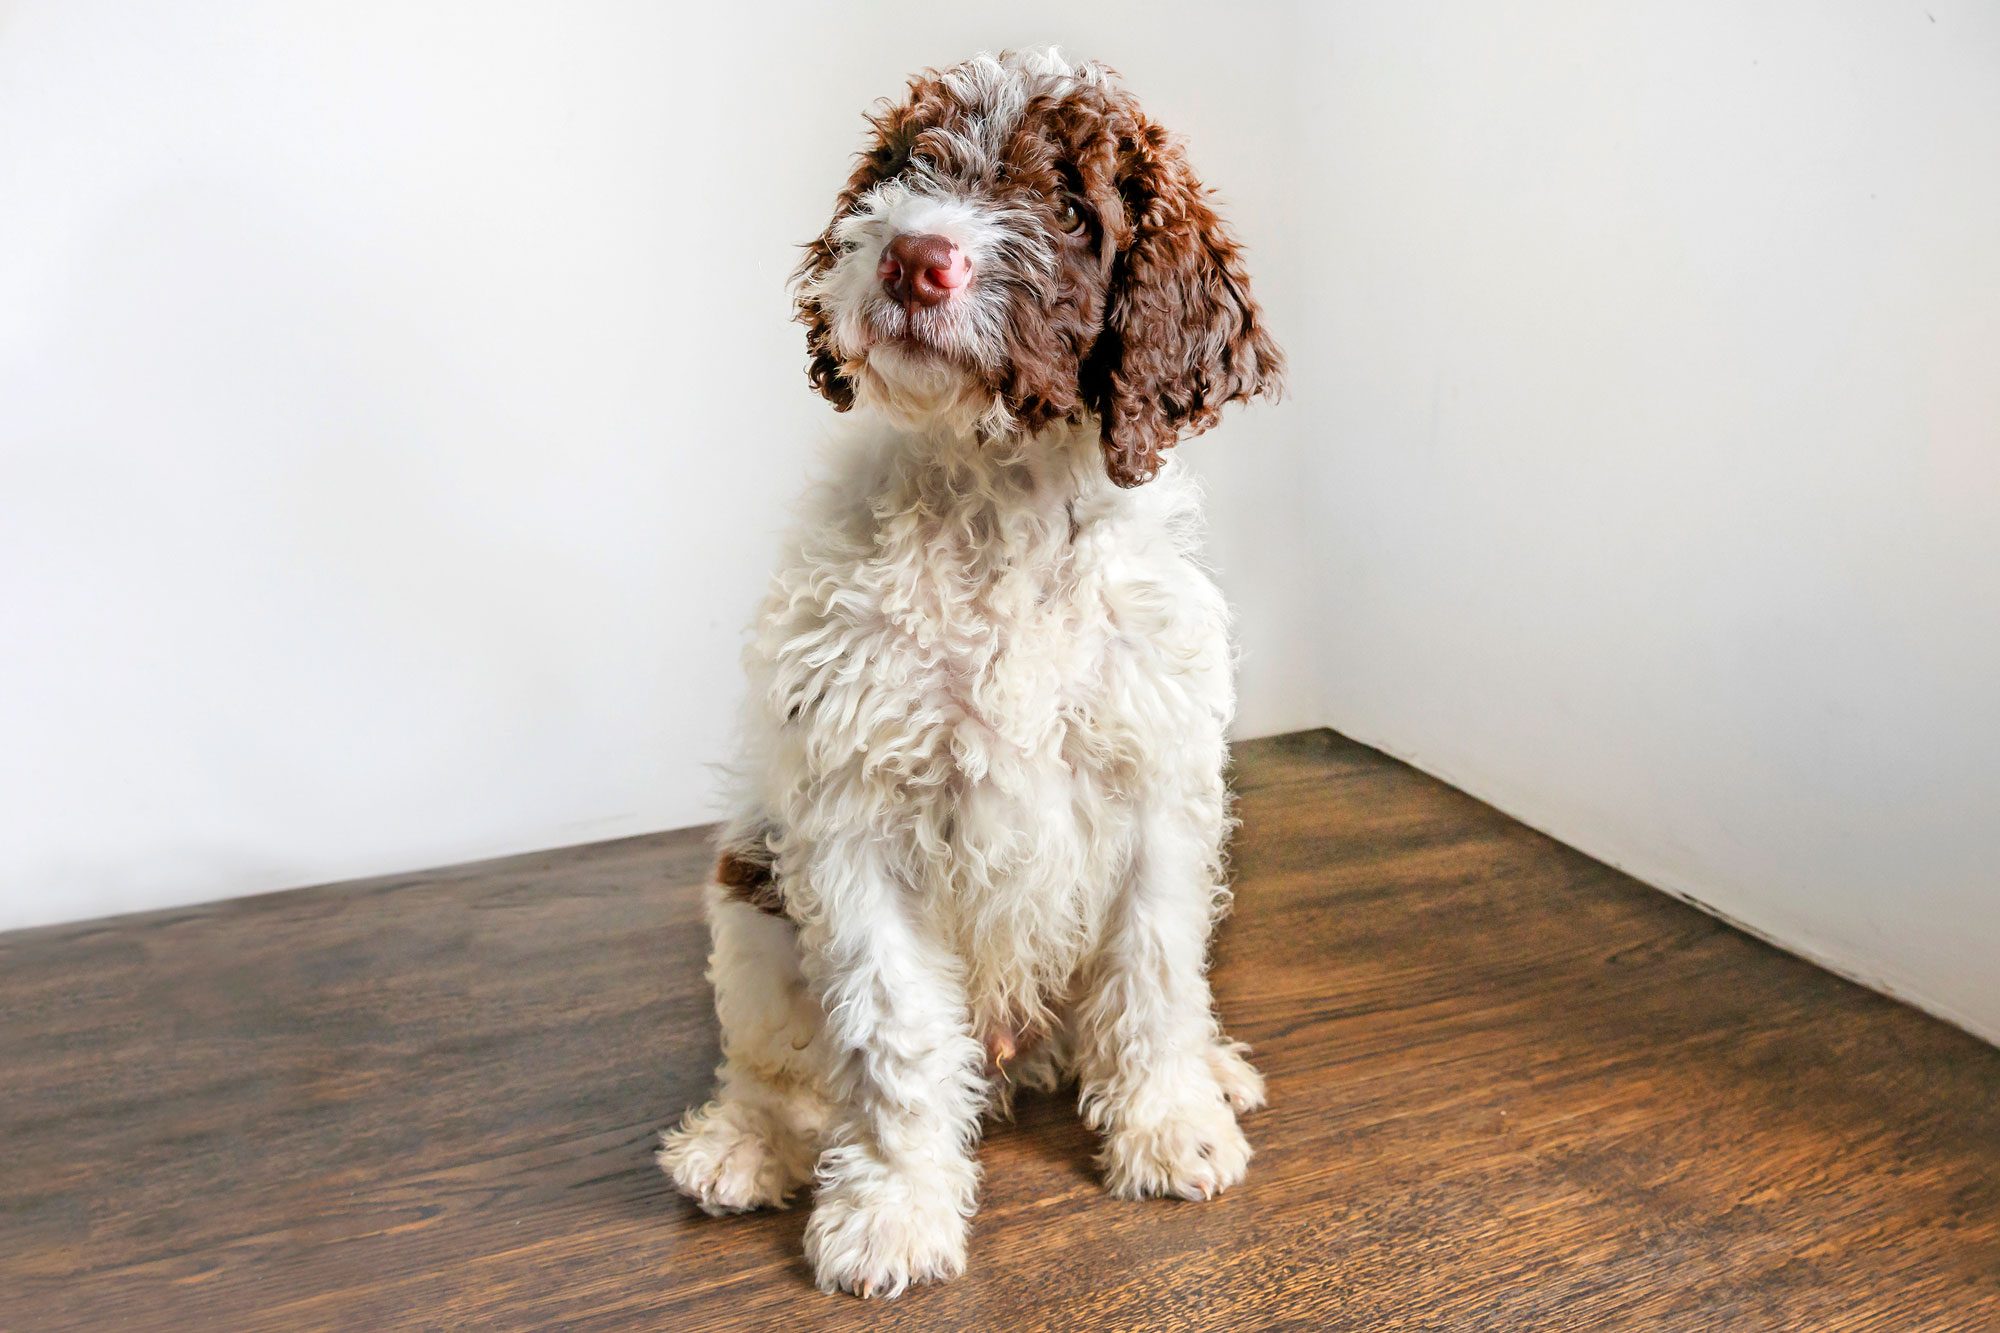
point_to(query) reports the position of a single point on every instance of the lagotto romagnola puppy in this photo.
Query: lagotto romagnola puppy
(979, 820)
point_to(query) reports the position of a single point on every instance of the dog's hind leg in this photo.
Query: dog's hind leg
(759, 1139)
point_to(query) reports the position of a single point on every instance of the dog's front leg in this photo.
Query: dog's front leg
(896, 1187)
(1158, 1078)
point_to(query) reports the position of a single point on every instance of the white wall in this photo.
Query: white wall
(1655, 366)
(398, 403)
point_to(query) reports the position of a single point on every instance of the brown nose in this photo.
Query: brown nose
(920, 269)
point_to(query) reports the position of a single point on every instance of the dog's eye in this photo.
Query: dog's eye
(1069, 217)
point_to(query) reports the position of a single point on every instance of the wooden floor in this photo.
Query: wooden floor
(1511, 1089)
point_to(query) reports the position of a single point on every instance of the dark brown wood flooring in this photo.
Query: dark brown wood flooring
(1510, 1089)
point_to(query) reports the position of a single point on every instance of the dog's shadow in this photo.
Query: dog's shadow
(687, 1239)
(1044, 1142)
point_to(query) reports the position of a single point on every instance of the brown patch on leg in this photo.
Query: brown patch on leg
(745, 875)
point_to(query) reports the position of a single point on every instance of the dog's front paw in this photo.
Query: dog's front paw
(730, 1159)
(1194, 1152)
(873, 1232)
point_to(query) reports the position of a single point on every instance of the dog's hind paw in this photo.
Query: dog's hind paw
(729, 1159)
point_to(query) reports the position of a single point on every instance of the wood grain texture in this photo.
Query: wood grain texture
(1511, 1089)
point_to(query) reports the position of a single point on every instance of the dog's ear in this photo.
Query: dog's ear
(1182, 336)
(822, 366)
(894, 129)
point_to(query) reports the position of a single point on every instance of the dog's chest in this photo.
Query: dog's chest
(959, 643)
(1005, 639)
(946, 675)
(980, 685)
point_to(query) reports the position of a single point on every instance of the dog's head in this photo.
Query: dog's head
(1020, 246)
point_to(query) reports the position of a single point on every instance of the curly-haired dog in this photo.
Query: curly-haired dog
(980, 818)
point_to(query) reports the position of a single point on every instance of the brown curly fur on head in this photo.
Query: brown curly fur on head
(1144, 320)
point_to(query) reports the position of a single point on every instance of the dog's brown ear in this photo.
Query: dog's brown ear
(893, 125)
(822, 366)
(1182, 336)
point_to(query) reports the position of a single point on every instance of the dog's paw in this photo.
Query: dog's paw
(1195, 1152)
(729, 1159)
(873, 1233)
(1239, 1080)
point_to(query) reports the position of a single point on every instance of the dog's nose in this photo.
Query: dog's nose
(920, 269)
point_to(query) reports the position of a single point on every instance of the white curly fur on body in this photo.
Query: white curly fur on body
(983, 762)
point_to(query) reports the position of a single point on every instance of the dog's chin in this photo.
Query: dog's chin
(923, 388)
